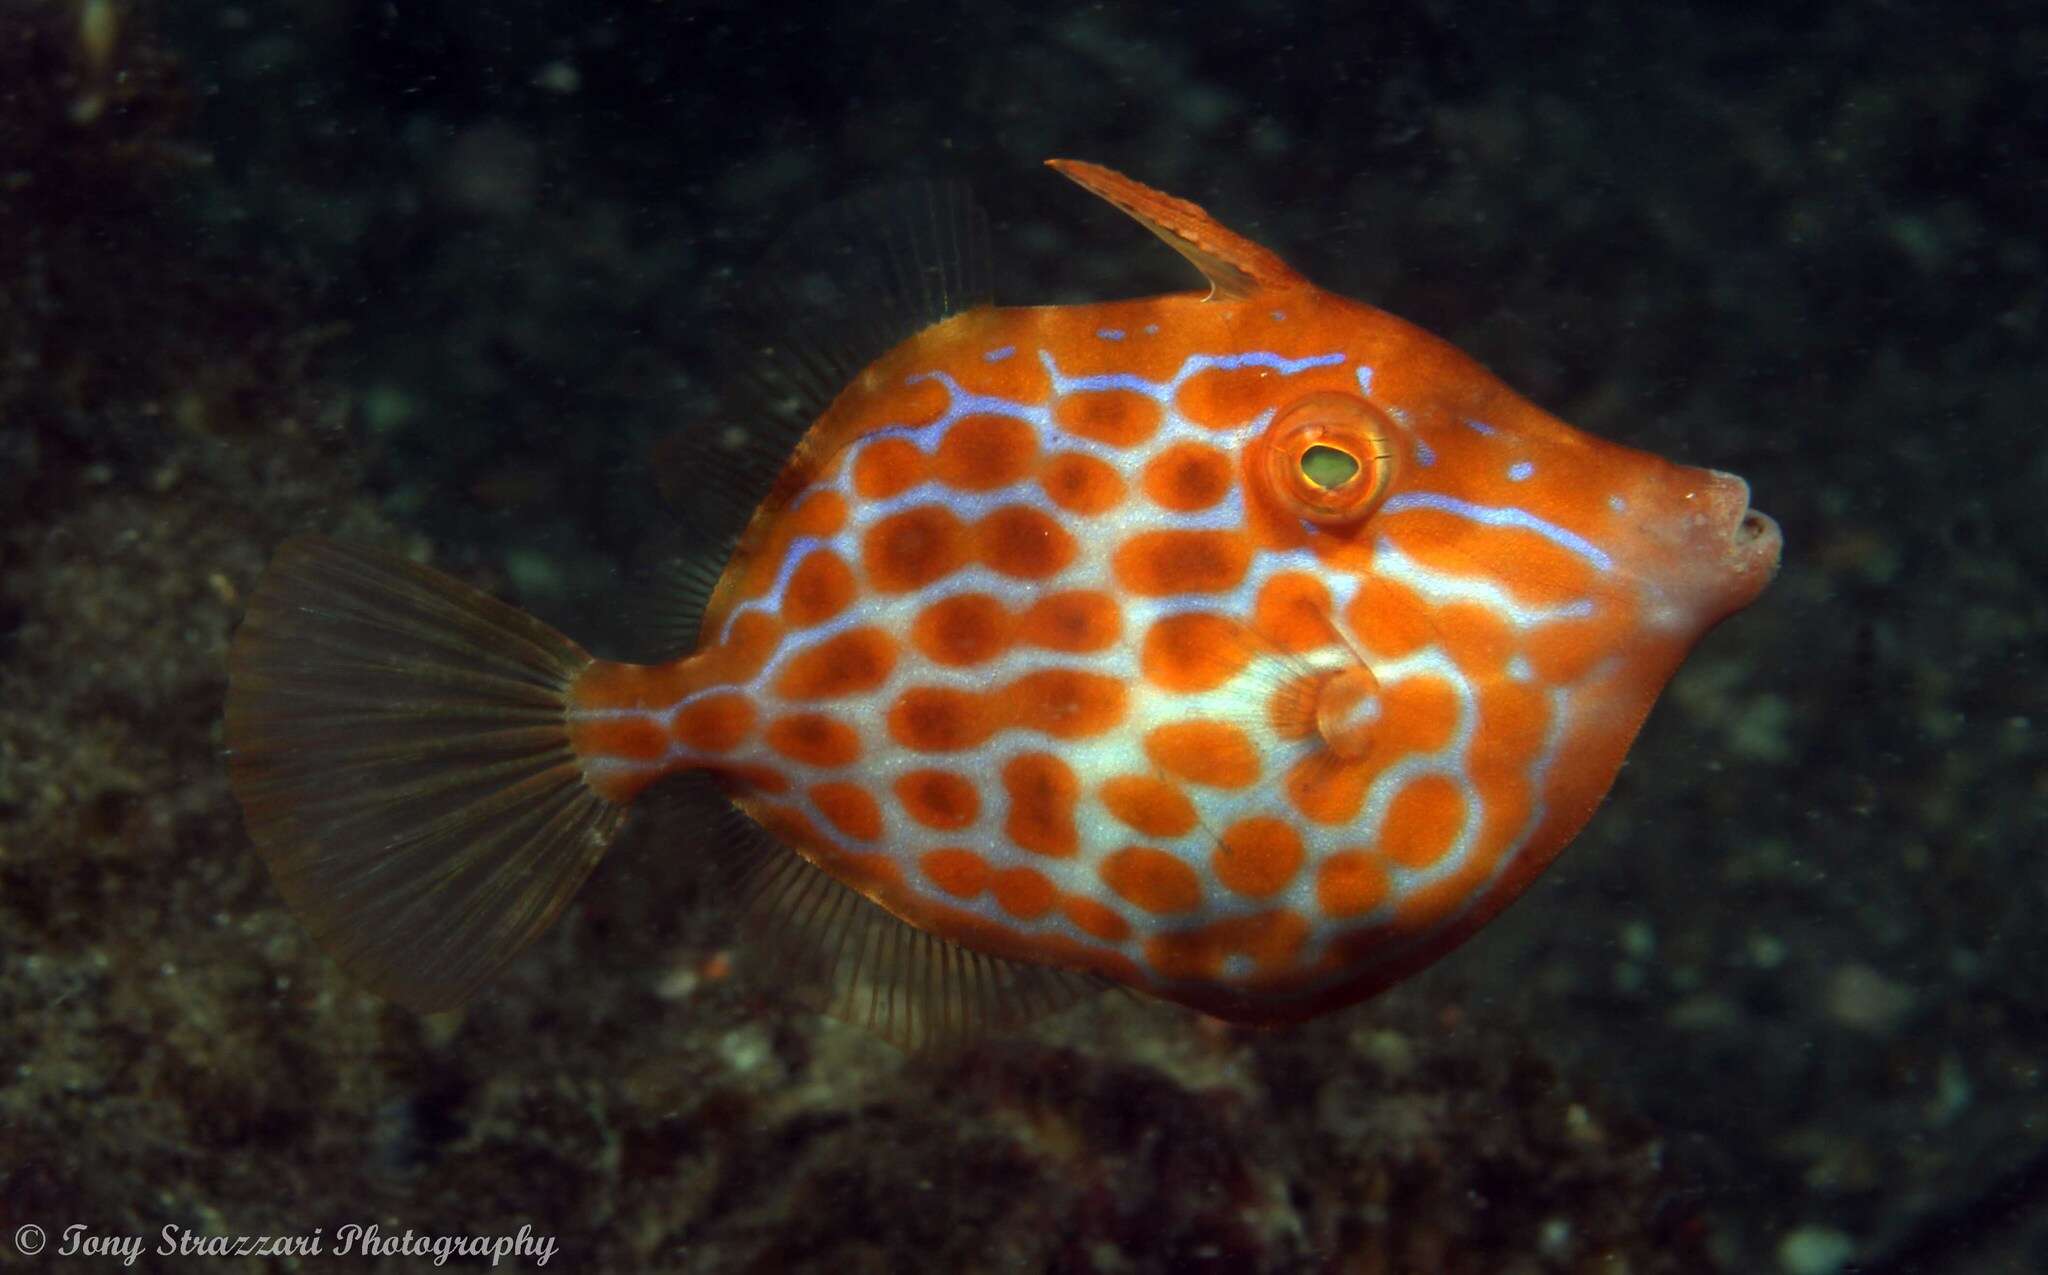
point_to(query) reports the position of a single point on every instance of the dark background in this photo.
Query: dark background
(440, 274)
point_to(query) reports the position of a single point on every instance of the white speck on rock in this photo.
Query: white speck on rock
(1814, 1250)
(1860, 997)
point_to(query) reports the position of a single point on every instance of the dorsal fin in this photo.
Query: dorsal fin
(669, 583)
(846, 285)
(1236, 268)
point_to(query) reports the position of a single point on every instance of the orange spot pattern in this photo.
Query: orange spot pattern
(963, 630)
(821, 587)
(1423, 821)
(1417, 715)
(1149, 806)
(969, 629)
(814, 739)
(1093, 917)
(1153, 880)
(907, 551)
(1350, 883)
(1121, 418)
(1193, 651)
(1064, 703)
(1078, 622)
(916, 547)
(1059, 702)
(716, 724)
(1157, 564)
(1390, 619)
(849, 808)
(1254, 851)
(1187, 477)
(854, 661)
(938, 799)
(1212, 754)
(1023, 543)
(1042, 792)
(982, 453)
(960, 873)
(1328, 789)
(1258, 857)
(1024, 893)
(888, 467)
(823, 514)
(932, 719)
(1225, 398)
(1081, 484)
(1292, 612)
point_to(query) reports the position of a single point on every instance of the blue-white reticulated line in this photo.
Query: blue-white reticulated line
(1502, 516)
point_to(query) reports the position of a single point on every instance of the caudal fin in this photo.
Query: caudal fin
(397, 741)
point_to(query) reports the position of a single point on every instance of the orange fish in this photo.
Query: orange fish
(1250, 649)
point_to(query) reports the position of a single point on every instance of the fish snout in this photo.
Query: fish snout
(1703, 551)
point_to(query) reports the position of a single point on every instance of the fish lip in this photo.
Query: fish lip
(1751, 538)
(1756, 545)
(1754, 528)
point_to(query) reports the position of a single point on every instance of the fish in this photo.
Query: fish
(1246, 647)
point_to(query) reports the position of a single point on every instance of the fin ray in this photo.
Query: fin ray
(826, 946)
(399, 746)
(846, 285)
(1237, 269)
(671, 588)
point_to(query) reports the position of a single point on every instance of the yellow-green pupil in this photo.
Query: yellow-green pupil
(1327, 467)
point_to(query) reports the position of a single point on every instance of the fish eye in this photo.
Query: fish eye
(1328, 467)
(1328, 458)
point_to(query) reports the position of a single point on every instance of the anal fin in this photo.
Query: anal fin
(826, 946)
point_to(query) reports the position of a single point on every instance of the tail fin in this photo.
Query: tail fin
(398, 744)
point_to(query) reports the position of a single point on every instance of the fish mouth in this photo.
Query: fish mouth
(1752, 534)
(1745, 544)
(1758, 533)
